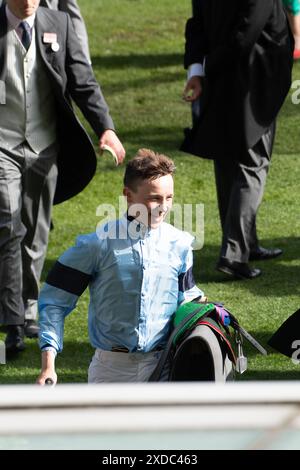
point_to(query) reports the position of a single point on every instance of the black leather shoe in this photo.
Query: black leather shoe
(261, 254)
(237, 270)
(14, 341)
(31, 329)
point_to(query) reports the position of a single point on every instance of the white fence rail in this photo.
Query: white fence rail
(245, 415)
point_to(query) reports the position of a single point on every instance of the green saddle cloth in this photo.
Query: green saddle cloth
(187, 309)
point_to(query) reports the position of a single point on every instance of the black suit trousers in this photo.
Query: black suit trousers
(240, 186)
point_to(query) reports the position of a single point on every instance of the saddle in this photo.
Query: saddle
(200, 347)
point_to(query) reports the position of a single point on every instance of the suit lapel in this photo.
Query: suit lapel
(45, 24)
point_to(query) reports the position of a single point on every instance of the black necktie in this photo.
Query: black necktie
(26, 35)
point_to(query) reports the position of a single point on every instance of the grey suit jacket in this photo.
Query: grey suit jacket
(71, 7)
(72, 78)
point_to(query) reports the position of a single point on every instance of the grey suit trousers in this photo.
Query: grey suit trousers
(240, 188)
(27, 187)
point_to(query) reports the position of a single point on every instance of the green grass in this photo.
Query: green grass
(137, 48)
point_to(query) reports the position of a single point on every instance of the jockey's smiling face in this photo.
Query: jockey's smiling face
(151, 200)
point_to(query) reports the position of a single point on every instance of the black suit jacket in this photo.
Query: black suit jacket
(71, 77)
(247, 46)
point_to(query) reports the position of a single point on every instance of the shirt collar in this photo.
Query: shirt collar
(14, 21)
(136, 229)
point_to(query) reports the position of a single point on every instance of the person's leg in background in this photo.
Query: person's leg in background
(293, 11)
(71, 7)
(240, 188)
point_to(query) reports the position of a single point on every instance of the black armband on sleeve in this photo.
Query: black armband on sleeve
(186, 280)
(68, 279)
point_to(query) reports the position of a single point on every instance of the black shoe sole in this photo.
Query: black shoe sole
(31, 335)
(233, 274)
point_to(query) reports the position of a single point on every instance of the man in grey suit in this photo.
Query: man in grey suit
(46, 155)
(71, 7)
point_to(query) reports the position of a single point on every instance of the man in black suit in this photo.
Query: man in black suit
(239, 59)
(46, 155)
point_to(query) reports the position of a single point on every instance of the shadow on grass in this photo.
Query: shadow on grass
(268, 375)
(279, 275)
(138, 84)
(138, 61)
(116, 62)
(161, 138)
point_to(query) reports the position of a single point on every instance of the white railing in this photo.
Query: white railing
(265, 413)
